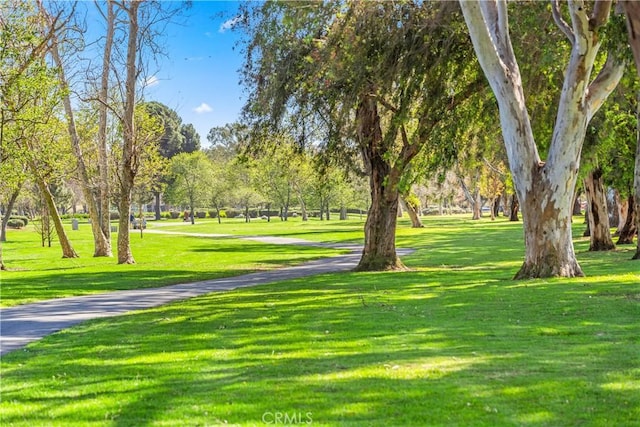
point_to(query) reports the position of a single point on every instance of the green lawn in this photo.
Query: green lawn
(453, 342)
(38, 273)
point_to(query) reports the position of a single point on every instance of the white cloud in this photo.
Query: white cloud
(229, 24)
(151, 81)
(203, 108)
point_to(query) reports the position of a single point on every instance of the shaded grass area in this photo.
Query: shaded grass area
(453, 342)
(38, 273)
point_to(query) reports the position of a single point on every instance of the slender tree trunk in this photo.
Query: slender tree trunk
(600, 232)
(192, 216)
(65, 244)
(103, 161)
(7, 214)
(616, 211)
(218, 213)
(127, 165)
(379, 251)
(628, 230)
(416, 222)
(157, 202)
(623, 211)
(102, 245)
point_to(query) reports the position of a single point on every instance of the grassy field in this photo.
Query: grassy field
(38, 273)
(453, 342)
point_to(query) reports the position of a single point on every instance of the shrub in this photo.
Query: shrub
(213, 214)
(223, 213)
(15, 223)
(114, 215)
(201, 214)
(24, 219)
(174, 215)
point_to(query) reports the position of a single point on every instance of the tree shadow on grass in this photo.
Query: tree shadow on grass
(407, 351)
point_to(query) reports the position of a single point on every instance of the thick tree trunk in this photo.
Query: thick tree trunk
(623, 211)
(477, 205)
(515, 207)
(343, 213)
(547, 231)
(545, 189)
(416, 222)
(636, 178)
(7, 214)
(598, 217)
(628, 230)
(65, 244)
(379, 251)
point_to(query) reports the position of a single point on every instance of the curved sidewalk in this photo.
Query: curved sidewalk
(26, 323)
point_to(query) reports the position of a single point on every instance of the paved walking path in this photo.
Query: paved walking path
(23, 324)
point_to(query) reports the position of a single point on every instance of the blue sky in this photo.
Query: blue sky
(199, 77)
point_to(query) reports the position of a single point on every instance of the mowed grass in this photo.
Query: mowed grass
(37, 273)
(453, 342)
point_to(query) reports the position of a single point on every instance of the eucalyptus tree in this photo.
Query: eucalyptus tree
(367, 78)
(632, 12)
(545, 188)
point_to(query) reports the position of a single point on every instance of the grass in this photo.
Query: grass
(453, 342)
(38, 273)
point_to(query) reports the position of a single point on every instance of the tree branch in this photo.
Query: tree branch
(560, 22)
(602, 86)
(600, 14)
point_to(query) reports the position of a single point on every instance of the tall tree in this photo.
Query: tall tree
(355, 75)
(545, 188)
(102, 244)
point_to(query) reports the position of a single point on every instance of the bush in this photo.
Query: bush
(201, 214)
(24, 219)
(15, 223)
(114, 216)
(213, 214)
(174, 214)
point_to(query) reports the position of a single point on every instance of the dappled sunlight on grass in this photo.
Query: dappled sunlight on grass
(454, 341)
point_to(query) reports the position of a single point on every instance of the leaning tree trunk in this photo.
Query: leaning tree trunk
(102, 245)
(545, 189)
(7, 214)
(416, 222)
(629, 230)
(598, 218)
(379, 251)
(67, 249)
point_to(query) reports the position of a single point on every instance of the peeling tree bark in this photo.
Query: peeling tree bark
(598, 217)
(628, 229)
(545, 189)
